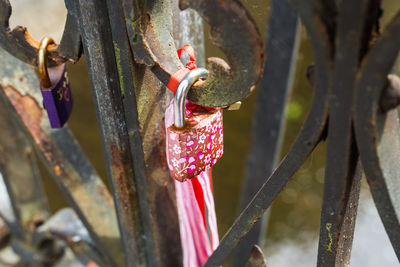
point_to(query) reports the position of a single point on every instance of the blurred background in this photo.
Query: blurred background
(293, 226)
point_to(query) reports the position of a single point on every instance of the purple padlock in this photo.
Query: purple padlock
(54, 85)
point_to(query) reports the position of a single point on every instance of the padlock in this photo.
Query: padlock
(54, 85)
(195, 139)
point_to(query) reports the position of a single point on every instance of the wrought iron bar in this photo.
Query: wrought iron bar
(377, 132)
(351, 73)
(129, 189)
(267, 131)
(307, 139)
(60, 153)
(340, 202)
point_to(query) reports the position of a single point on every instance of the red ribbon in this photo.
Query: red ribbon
(190, 65)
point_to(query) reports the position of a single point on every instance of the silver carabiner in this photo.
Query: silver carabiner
(181, 93)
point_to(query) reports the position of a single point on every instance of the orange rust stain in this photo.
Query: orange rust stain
(31, 115)
(118, 170)
(29, 111)
(57, 170)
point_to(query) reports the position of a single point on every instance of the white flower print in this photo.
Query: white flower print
(177, 149)
(202, 138)
(207, 159)
(175, 162)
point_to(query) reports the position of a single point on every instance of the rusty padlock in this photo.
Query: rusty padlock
(195, 139)
(54, 85)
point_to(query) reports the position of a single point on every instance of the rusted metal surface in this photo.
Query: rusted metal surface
(267, 131)
(22, 179)
(148, 23)
(341, 194)
(111, 69)
(256, 258)
(377, 133)
(306, 141)
(130, 48)
(20, 44)
(62, 156)
(341, 186)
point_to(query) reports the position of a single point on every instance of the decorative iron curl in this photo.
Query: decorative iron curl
(20, 43)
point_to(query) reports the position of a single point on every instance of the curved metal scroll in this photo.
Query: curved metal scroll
(308, 138)
(232, 30)
(20, 44)
(378, 133)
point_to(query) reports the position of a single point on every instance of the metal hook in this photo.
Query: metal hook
(232, 29)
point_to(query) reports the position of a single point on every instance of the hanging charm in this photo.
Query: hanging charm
(195, 140)
(54, 85)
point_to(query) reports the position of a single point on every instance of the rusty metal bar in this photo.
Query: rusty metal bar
(267, 131)
(21, 177)
(61, 155)
(342, 186)
(140, 219)
(110, 68)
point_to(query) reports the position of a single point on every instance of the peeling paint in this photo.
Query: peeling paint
(28, 109)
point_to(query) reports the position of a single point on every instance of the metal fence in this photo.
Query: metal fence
(129, 47)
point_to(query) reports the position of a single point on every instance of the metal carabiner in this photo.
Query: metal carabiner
(181, 93)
